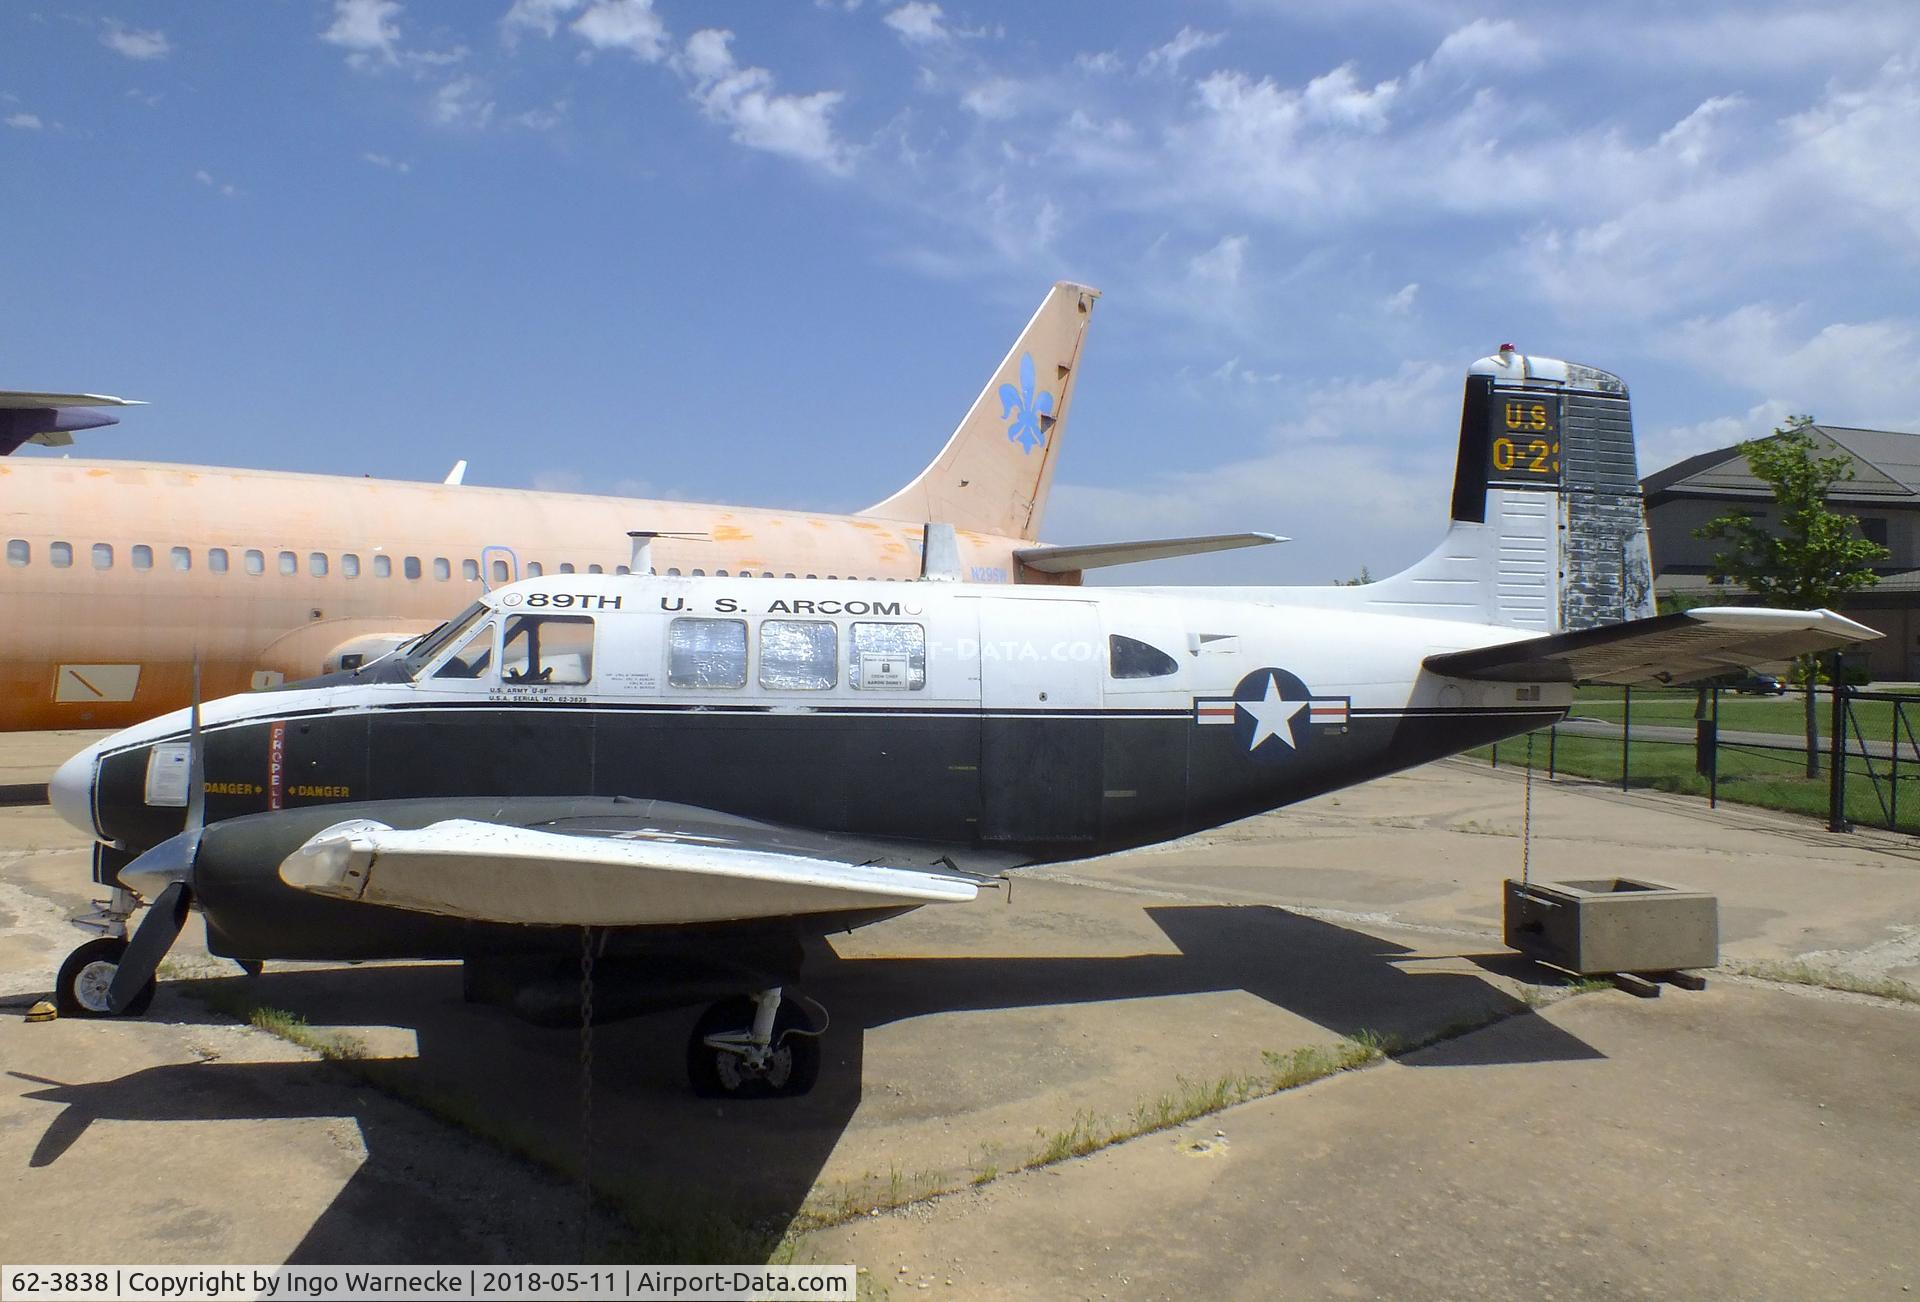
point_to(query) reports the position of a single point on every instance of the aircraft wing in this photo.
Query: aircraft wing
(1665, 649)
(1063, 560)
(607, 873)
(50, 419)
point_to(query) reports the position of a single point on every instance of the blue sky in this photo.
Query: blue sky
(767, 253)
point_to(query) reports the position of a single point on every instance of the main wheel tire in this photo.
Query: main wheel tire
(81, 989)
(793, 1064)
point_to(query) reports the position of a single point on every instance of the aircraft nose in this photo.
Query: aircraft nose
(71, 790)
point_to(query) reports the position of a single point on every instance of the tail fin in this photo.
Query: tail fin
(994, 473)
(1549, 532)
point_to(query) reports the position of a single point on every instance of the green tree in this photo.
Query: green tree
(1811, 557)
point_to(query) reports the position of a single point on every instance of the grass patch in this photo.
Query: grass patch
(1768, 779)
(1801, 973)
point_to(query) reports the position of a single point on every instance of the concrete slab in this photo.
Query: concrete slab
(1743, 1142)
(962, 1038)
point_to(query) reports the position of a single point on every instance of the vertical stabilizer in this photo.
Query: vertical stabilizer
(1549, 532)
(994, 473)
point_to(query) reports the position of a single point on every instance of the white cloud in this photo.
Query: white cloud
(132, 43)
(795, 126)
(367, 29)
(543, 119)
(629, 25)
(1168, 58)
(226, 189)
(541, 16)
(1220, 266)
(997, 97)
(462, 102)
(1339, 97)
(1400, 302)
(918, 22)
(1845, 373)
(1103, 64)
(390, 164)
(1486, 44)
(24, 121)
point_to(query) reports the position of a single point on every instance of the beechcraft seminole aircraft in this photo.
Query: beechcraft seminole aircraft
(120, 575)
(705, 772)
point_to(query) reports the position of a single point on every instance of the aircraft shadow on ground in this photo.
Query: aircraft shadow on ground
(727, 1178)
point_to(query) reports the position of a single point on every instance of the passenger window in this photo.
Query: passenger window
(61, 554)
(550, 649)
(19, 551)
(799, 654)
(707, 653)
(887, 657)
(349, 565)
(289, 563)
(500, 571)
(674, 570)
(181, 558)
(566, 567)
(470, 570)
(383, 567)
(473, 656)
(217, 559)
(256, 563)
(719, 574)
(1130, 658)
(140, 556)
(317, 565)
(411, 567)
(534, 569)
(622, 569)
(103, 556)
(595, 569)
(442, 570)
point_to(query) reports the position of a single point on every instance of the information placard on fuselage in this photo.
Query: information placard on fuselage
(1524, 444)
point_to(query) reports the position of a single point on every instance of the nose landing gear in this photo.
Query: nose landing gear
(81, 988)
(759, 1046)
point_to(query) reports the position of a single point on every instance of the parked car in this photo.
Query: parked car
(1757, 685)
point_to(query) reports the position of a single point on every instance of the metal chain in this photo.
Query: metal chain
(586, 1094)
(1526, 820)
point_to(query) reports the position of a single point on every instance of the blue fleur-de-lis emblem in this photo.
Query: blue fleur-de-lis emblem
(1026, 408)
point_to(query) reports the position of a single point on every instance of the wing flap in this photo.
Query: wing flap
(1091, 556)
(1666, 649)
(493, 872)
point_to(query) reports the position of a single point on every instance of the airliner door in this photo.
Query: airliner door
(1040, 744)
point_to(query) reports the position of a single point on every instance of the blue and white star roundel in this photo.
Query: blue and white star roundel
(1273, 712)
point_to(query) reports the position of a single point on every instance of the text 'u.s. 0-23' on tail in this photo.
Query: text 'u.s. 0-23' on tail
(709, 772)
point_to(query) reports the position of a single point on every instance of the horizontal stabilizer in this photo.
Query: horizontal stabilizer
(492, 872)
(1665, 649)
(1093, 556)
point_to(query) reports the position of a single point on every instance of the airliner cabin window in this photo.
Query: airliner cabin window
(140, 556)
(442, 570)
(552, 650)
(217, 559)
(707, 653)
(887, 657)
(103, 556)
(596, 569)
(535, 569)
(798, 654)
(289, 563)
(383, 567)
(1131, 658)
(19, 551)
(317, 565)
(500, 571)
(470, 570)
(349, 565)
(256, 563)
(61, 554)
(181, 558)
(411, 567)
(472, 658)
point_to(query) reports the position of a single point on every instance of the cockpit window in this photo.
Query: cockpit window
(1131, 658)
(472, 658)
(547, 649)
(425, 651)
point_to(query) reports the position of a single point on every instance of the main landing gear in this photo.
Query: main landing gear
(81, 988)
(756, 1046)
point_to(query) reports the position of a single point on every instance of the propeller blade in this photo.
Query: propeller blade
(155, 936)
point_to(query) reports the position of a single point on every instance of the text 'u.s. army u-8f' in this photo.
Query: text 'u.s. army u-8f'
(708, 772)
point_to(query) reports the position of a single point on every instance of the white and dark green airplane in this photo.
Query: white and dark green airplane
(706, 772)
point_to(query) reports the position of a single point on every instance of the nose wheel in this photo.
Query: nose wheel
(764, 1045)
(81, 988)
